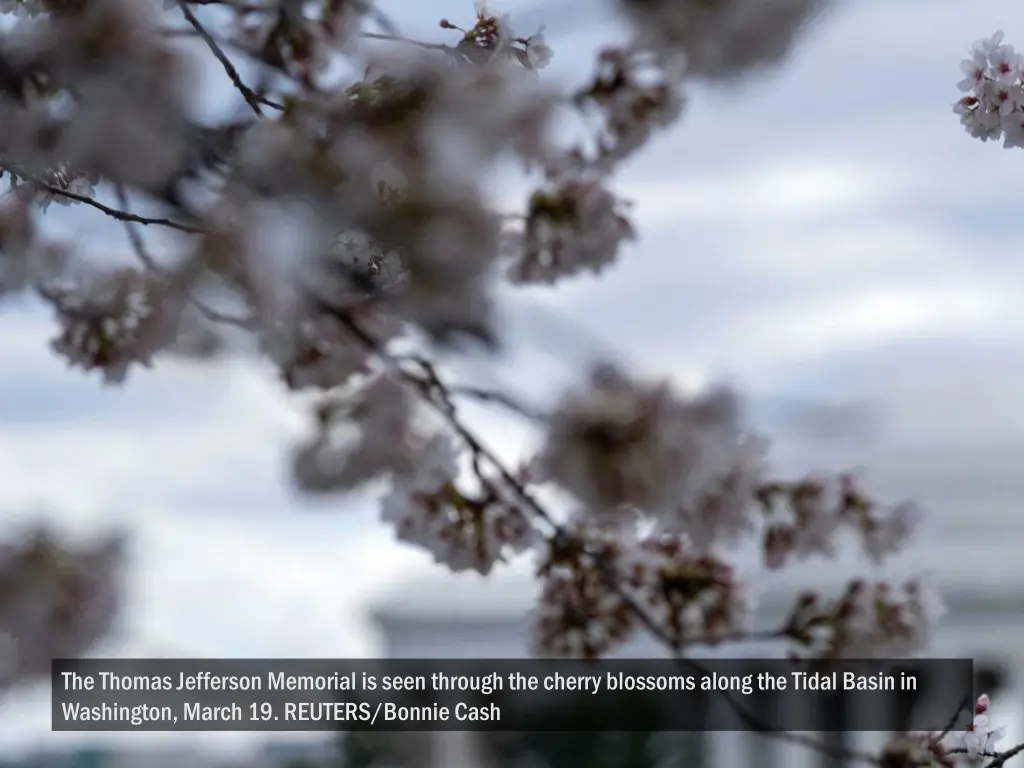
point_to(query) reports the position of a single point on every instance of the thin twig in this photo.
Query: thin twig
(375, 13)
(407, 41)
(251, 97)
(964, 704)
(139, 247)
(114, 212)
(498, 398)
(481, 394)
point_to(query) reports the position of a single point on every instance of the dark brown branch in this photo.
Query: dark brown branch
(433, 381)
(114, 213)
(1003, 757)
(498, 398)
(965, 703)
(254, 101)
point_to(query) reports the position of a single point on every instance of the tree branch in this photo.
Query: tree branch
(447, 412)
(1003, 757)
(254, 100)
(114, 213)
(415, 43)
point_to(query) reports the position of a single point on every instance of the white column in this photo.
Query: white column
(457, 749)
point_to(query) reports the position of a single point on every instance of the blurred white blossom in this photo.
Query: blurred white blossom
(723, 38)
(463, 531)
(55, 601)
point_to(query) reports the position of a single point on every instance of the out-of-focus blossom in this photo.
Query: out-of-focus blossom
(55, 601)
(619, 444)
(724, 38)
(867, 621)
(464, 531)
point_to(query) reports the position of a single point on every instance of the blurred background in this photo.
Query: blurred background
(825, 236)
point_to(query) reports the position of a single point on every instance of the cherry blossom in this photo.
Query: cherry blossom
(995, 102)
(358, 438)
(463, 531)
(979, 738)
(724, 38)
(574, 226)
(57, 600)
(617, 443)
(110, 321)
(868, 620)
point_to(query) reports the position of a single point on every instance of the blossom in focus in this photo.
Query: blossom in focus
(980, 738)
(593, 582)
(580, 614)
(994, 105)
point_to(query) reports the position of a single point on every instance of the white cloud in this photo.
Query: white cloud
(788, 189)
(791, 332)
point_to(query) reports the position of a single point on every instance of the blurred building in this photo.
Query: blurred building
(468, 617)
(270, 755)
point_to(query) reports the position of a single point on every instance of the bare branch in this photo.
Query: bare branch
(1003, 757)
(407, 41)
(114, 213)
(254, 100)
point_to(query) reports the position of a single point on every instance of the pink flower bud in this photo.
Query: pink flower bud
(981, 707)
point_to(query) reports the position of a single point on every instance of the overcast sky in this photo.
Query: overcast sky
(826, 231)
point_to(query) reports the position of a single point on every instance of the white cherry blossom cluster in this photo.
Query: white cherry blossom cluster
(63, 179)
(600, 588)
(358, 438)
(463, 531)
(108, 321)
(665, 484)
(869, 620)
(993, 108)
(804, 518)
(574, 225)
